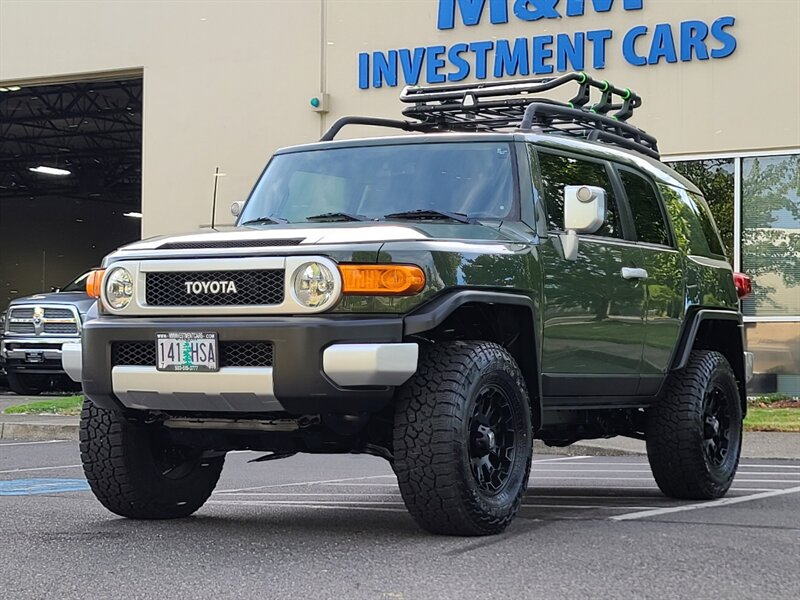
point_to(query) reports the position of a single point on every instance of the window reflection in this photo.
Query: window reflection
(771, 234)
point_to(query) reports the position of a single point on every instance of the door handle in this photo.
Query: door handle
(631, 273)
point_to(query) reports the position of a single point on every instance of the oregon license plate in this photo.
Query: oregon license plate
(187, 351)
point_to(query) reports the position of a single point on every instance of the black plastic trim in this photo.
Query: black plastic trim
(433, 314)
(691, 326)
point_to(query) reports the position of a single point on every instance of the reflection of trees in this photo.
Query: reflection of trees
(501, 270)
(770, 199)
(715, 179)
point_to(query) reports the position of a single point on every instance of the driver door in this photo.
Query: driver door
(593, 310)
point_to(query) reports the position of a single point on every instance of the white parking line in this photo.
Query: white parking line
(3, 444)
(712, 504)
(324, 494)
(394, 485)
(281, 485)
(661, 498)
(641, 463)
(648, 471)
(41, 469)
(307, 503)
(644, 479)
(314, 506)
(587, 506)
(563, 458)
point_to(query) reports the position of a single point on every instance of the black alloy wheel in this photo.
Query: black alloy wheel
(462, 439)
(492, 447)
(694, 433)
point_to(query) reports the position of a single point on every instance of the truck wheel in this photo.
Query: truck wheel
(135, 472)
(694, 434)
(26, 384)
(462, 439)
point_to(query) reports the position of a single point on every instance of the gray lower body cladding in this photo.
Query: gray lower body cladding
(295, 382)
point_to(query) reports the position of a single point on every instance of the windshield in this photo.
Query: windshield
(475, 179)
(76, 285)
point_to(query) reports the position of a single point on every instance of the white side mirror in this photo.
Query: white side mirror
(584, 208)
(236, 208)
(584, 212)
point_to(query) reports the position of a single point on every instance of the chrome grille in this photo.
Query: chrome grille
(231, 354)
(69, 328)
(264, 287)
(21, 313)
(21, 328)
(43, 320)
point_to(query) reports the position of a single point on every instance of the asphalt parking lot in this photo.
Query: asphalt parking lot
(335, 527)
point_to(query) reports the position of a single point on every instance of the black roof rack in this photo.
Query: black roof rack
(513, 106)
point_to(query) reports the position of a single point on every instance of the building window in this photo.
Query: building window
(768, 204)
(776, 349)
(771, 235)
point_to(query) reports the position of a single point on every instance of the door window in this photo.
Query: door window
(558, 171)
(648, 218)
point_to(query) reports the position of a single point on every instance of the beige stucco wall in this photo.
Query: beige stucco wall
(227, 82)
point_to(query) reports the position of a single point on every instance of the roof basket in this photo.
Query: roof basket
(514, 106)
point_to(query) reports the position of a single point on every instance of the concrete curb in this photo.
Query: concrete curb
(33, 431)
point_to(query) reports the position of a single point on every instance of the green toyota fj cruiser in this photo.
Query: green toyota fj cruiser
(520, 268)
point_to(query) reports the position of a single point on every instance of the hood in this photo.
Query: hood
(77, 299)
(316, 234)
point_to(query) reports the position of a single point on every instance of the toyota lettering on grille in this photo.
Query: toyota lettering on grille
(211, 287)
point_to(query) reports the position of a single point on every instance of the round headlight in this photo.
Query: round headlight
(313, 284)
(119, 288)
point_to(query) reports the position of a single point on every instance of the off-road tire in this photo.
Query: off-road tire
(677, 433)
(120, 460)
(26, 384)
(432, 438)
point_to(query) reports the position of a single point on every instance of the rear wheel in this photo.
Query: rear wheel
(26, 384)
(694, 435)
(135, 471)
(462, 439)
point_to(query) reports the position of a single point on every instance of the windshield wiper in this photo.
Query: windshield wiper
(269, 220)
(337, 216)
(427, 214)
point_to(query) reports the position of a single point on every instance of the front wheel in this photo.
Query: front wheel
(135, 472)
(694, 434)
(462, 439)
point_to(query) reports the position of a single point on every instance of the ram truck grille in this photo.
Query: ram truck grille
(42, 320)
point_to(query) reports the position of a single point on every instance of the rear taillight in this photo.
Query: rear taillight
(744, 287)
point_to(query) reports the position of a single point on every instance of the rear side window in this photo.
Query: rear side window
(691, 221)
(708, 225)
(648, 217)
(559, 171)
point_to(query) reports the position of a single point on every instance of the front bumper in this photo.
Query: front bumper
(341, 364)
(33, 355)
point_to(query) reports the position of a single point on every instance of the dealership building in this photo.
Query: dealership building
(126, 118)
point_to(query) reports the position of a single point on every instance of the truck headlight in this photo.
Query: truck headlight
(119, 288)
(314, 284)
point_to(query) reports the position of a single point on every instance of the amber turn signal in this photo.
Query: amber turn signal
(94, 283)
(382, 280)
